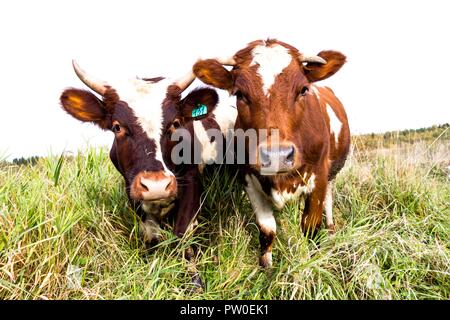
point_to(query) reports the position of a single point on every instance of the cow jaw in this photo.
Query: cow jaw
(159, 208)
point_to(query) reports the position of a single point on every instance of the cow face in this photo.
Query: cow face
(136, 150)
(272, 84)
(180, 115)
(143, 115)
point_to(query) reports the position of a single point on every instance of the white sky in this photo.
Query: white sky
(396, 76)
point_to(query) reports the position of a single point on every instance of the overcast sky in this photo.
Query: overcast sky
(396, 77)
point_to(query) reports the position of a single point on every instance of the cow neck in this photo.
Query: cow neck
(285, 182)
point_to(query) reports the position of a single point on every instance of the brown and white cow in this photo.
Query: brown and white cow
(274, 87)
(143, 114)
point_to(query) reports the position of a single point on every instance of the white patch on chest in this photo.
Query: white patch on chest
(272, 61)
(335, 124)
(209, 150)
(145, 99)
(279, 199)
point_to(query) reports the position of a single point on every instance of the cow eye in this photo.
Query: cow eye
(240, 96)
(116, 128)
(176, 124)
(304, 90)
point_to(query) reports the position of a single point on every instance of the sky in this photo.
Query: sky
(396, 75)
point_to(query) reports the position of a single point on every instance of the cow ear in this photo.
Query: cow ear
(85, 106)
(316, 71)
(212, 72)
(198, 104)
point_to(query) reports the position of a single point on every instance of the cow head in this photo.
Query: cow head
(142, 114)
(272, 84)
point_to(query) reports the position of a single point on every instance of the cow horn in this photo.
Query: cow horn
(95, 84)
(185, 81)
(314, 59)
(227, 61)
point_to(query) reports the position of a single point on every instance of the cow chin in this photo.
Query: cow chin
(279, 172)
(275, 170)
(158, 208)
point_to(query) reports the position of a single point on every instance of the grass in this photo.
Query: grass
(66, 232)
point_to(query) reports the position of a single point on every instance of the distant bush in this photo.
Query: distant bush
(408, 136)
(25, 161)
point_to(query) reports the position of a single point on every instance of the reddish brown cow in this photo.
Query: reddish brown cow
(143, 114)
(273, 85)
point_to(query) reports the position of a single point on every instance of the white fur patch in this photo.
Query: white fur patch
(146, 99)
(329, 204)
(209, 151)
(261, 205)
(280, 198)
(225, 115)
(315, 91)
(272, 61)
(335, 123)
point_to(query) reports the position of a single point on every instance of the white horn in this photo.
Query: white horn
(227, 61)
(314, 59)
(185, 81)
(93, 83)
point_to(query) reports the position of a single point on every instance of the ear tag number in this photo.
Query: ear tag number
(199, 111)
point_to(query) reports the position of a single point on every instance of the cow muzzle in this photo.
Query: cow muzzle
(275, 159)
(150, 186)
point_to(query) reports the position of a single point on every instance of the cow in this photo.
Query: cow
(275, 90)
(143, 115)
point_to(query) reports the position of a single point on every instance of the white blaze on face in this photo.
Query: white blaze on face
(272, 61)
(145, 99)
(335, 124)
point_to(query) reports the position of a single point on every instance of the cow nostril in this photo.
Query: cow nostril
(169, 184)
(264, 157)
(290, 154)
(143, 186)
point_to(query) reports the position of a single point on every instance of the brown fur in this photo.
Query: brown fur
(316, 72)
(300, 118)
(131, 152)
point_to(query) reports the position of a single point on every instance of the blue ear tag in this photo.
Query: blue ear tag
(199, 111)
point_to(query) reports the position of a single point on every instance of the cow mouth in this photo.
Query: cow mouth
(274, 173)
(159, 207)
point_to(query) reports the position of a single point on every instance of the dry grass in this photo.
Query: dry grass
(66, 232)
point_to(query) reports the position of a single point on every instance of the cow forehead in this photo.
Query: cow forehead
(271, 61)
(146, 99)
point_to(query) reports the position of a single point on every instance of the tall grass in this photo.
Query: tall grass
(66, 232)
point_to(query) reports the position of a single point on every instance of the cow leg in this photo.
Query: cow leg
(314, 203)
(329, 208)
(196, 281)
(264, 218)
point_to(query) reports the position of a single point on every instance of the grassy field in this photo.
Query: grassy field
(66, 232)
